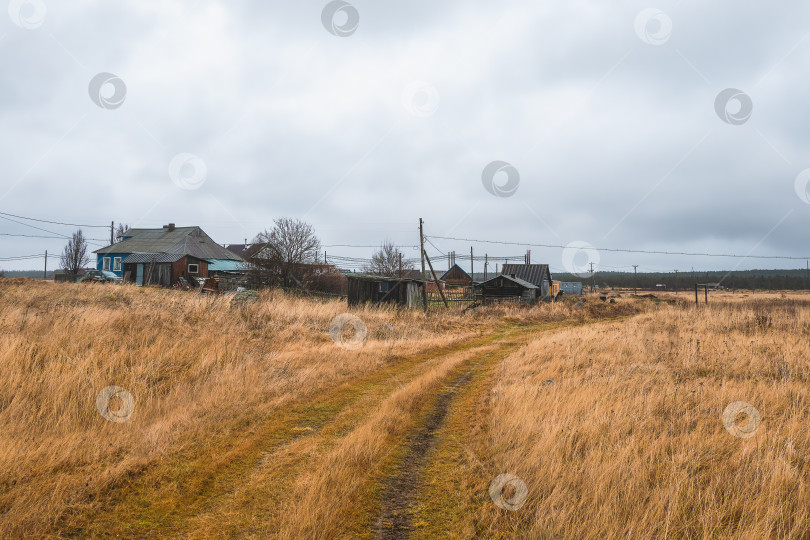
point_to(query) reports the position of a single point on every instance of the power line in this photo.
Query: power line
(34, 227)
(651, 252)
(48, 237)
(367, 246)
(55, 222)
(23, 257)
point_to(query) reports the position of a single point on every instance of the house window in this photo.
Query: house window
(384, 286)
(106, 263)
(117, 264)
(193, 268)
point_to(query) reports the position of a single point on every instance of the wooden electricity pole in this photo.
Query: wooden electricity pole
(436, 281)
(112, 232)
(45, 276)
(635, 279)
(422, 248)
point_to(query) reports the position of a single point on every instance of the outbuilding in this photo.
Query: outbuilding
(367, 288)
(505, 288)
(538, 275)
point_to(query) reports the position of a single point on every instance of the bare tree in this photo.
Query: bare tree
(120, 231)
(386, 261)
(289, 245)
(74, 257)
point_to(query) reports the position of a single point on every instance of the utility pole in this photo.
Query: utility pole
(486, 262)
(593, 280)
(400, 264)
(472, 270)
(635, 279)
(112, 232)
(676, 281)
(422, 249)
(45, 275)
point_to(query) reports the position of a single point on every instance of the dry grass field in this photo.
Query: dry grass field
(138, 412)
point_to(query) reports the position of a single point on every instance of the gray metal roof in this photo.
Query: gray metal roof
(533, 273)
(521, 282)
(150, 257)
(178, 241)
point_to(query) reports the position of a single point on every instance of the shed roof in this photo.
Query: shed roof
(533, 273)
(177, 241)
(523, 283)
(150, 257)
(455, 272)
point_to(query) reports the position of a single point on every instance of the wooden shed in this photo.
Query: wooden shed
(366, 288)
(507, 289)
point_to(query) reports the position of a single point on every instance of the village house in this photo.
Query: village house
(506, 288)
(538, 275)
(456, 277)
(163, 256)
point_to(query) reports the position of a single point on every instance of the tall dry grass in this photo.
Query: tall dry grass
(629, 440)
(200, 371)
(196, 367)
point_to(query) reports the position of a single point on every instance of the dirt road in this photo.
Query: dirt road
(377, 457)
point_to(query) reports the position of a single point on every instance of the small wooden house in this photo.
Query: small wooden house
(457, 277)
(507, 289)
(538, 275)
(367, 288)
(163, 256)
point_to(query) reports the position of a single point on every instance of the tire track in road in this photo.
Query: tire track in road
(167, 497)
(403, 509)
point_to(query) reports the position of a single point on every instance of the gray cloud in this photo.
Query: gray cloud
(605, 129)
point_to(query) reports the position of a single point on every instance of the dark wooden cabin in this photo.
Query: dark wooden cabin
(507, 289)
(538, 275)
(366, 288)
(457, 277)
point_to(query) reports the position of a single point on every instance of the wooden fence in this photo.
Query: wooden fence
(456, 297)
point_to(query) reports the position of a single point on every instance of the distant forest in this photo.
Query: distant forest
(36, 274)
(738, 279)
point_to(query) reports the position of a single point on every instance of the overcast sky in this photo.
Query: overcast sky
(610, 117)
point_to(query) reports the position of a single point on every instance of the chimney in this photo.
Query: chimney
(170, 227)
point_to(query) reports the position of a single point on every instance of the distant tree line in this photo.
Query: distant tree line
(738, 279)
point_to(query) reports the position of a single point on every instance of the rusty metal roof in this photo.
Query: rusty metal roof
(176, 241)
(533, 273)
